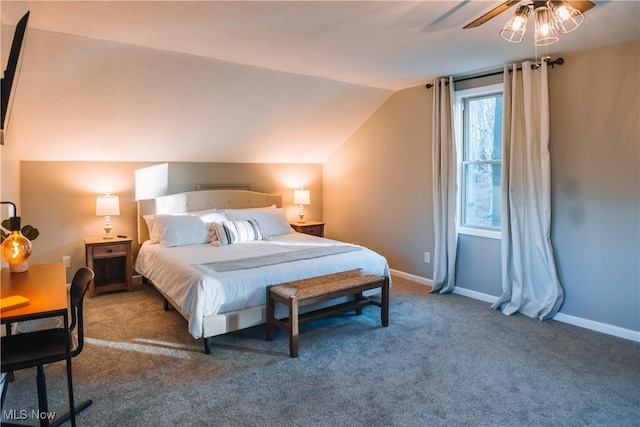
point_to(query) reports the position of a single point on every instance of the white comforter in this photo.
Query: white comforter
(199, 291)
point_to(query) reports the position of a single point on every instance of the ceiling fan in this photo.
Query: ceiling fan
(581, 5)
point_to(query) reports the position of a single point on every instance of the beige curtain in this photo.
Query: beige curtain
(444, 188)
(529, 279)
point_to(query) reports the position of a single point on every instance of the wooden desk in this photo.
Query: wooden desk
(45, 285)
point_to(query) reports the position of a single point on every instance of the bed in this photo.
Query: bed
(211, 254)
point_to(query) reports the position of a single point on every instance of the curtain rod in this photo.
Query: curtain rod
(558, 61)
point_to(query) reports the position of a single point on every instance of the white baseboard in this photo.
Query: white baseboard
(475, 295)
(604, 328)
(412, 277)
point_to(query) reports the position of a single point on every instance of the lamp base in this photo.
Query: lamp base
(107, 228)
(20, 267)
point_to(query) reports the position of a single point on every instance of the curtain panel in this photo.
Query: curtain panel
(444, 187)
(529, 278)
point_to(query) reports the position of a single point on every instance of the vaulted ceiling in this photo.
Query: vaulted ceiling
(328, 65)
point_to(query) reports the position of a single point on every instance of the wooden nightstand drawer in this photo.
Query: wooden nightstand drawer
(117, 249)
(314, 228)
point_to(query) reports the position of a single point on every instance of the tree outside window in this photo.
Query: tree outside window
(481, 161)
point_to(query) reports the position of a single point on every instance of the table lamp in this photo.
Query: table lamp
(301, 197)
(16, 248)
(107, 206)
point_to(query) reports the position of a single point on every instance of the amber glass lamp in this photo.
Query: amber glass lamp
(16, 248)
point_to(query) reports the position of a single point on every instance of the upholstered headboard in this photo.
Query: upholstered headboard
(199, 200)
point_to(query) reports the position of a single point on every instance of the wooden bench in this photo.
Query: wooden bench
(306, 292)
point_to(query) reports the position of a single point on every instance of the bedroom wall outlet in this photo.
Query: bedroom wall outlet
(67, 261)
(427, 257)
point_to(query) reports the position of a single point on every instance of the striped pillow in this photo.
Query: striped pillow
(229, 232)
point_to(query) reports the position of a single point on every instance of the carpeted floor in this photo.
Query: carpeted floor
(445, 360)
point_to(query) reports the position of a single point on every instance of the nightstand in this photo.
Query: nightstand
(111, 261)
(315, 228)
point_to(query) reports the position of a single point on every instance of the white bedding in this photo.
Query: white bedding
(200, 291)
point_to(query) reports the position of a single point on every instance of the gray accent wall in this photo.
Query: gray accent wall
(479, 265)
(595, 161)
(378, 188)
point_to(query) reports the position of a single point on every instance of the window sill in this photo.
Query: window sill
(480, 232)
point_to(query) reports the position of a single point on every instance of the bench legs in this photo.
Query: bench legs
(293, 328)
(291, 325)
(270, 315)
(384, 306)
(359, 297)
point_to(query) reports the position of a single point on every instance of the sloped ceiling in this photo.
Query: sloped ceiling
(245, 81)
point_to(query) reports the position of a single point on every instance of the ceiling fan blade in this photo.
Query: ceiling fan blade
(493, 13)
(581, 5)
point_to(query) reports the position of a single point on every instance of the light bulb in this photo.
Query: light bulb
(16, 248)
(544, 29)
(518, 22)
(563, 12)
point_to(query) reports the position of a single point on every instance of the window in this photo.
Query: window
(479, 119)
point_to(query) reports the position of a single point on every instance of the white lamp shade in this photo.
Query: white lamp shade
(107, 205)
(301, 197)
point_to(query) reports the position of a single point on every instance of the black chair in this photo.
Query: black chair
(36, 349)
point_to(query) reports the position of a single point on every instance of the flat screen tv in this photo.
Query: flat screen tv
(10, 72)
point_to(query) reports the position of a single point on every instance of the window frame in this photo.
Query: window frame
(459, 101)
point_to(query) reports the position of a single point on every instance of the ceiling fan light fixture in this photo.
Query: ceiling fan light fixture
(513, 31)
(546, 32)
(567, 17)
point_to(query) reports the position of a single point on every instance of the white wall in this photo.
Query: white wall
(86, 99)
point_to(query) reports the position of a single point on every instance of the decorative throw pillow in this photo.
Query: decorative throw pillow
(272, 222)
(229, 232)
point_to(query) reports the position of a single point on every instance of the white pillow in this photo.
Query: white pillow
(272, 222)
(229, 232)
(154, 236)
(182, 229)
(212, 215)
